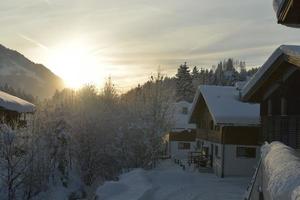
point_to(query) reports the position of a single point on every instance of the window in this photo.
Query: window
(199, 145)
(283, 106)
(245, 152)
(269, 107)
(217, 151)
(185, 110)
(202, 124)
(211, 125)
(184, 145)
(217, 128)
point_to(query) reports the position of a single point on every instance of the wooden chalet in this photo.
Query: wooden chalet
(276, 87)
(288, 12)
(14, 111)
(227, 130)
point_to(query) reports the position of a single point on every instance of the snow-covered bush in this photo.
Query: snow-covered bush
(16, 162)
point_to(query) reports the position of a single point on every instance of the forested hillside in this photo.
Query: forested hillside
(78, 139)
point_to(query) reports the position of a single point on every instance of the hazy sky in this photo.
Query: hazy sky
(129, 39)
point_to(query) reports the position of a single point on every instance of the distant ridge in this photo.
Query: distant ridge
(20, 73)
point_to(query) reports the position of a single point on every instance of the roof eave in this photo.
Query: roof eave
(191, 118)
(249, 93)
(239, 124)
(288, 14)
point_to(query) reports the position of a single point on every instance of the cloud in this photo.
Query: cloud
(134, 37)
(34, 42)
(47, 2)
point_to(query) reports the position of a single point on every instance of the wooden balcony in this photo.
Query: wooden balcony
(282, 128)
(209, 135)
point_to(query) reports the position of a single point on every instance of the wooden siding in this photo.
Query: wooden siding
(208, 130)
(209, 135)
(242, 135)
(288, 90)
(278, 126)
(183, 136)
(280, 86)
(282, 128)
(289, 14)
(11, 118)
(201, 116)
(271, 78)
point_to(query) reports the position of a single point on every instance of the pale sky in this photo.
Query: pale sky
(84, 41)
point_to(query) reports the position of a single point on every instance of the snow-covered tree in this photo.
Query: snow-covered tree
(146, 109)
(184, 84)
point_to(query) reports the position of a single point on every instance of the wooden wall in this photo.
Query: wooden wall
(182, 136)
(242, 135)
(278, 126)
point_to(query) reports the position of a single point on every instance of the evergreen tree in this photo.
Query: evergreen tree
(184, 84)
(195, 73)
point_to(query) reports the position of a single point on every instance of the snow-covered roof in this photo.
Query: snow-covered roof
(225, 106)
(290, 51)
(281, 175)
(287, 12)
(13, 103)
(277, 5)
(181, 119)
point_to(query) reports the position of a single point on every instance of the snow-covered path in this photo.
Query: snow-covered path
(169, 182)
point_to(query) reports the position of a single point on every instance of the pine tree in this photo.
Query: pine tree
(195, 73)
(184, 84)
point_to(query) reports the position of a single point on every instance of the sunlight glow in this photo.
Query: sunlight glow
(75, 62)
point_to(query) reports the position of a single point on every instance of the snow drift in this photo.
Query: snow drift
(281, 166)
(132, 185)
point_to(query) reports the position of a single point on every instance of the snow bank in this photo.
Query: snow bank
(132, 185)
(281, 166)
(56, 190)
(13, 103)
(169, 181)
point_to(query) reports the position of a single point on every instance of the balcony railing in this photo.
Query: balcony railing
(282, 128)
(210, 135)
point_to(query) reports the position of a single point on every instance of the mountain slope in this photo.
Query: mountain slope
(20, 73)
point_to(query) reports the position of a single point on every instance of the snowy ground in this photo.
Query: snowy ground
(169, 181)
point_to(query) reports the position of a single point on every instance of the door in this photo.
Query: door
(211, 155)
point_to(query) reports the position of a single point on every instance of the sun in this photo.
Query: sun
(76, 64)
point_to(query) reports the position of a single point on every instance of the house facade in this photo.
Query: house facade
(227, 130)
(182, 137)
(14, 111)
(276, 87)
